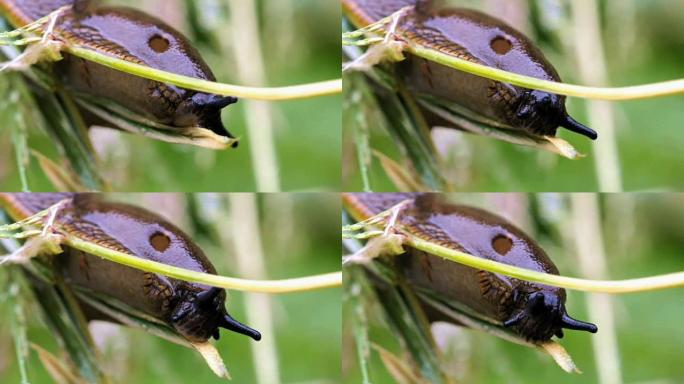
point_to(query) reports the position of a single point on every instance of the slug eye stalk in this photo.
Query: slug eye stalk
(572, 125)
(231, 324)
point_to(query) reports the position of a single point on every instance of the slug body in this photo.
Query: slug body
(479, 38)
(133, 36)
(196, 311)
(534, 311)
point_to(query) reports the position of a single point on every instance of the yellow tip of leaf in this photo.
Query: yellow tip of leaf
(213, 358)
(560, 356)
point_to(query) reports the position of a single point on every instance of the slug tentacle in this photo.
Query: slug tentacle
(233, 325)
(204, 100)
(515, 320)
(205, 298)
(572, 125)
(570, 323)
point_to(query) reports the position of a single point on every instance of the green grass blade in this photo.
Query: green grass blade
(18, 326)
(129, 316)
(132, 122)
(64, 317)
(357, 112)
(408, 129)
(406, 319)
(354, 293)
(15, 118)
(68, 130)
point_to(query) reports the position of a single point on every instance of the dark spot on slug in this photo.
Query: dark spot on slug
(502, 244)
(159, 44)
(501, 45)
(160, 242)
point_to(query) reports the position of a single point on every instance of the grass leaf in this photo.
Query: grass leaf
(131, 122)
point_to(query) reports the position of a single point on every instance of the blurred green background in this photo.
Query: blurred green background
(300, 237)
(643, 42)
(300, 43)
(642, 236)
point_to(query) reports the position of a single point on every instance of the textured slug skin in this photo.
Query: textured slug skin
(135, 231)
(476, 37)
(136, 37)
(479, 233)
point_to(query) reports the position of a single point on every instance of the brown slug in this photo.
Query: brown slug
(482, 39)
(534, 311)
(194, 310)
(133, 36)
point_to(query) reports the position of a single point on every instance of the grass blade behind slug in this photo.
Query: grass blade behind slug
(63, 315)
(16, 121)
(18, 325)
(132, 122)
(358, 98)
(129, 316)
(56, 115)
(60, 311)
(475, 124)
(67, 128)
(356, 295)
(408, 130)
(399, 116)
(408, 322)
(124, 314)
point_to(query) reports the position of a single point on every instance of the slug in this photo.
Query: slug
(479, 38)
(135, 37)
(194, 310)
(534, 311)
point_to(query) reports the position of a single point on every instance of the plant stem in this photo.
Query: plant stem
(589, 244)
(304, 91)
(651, 283)
(665, 88)
(258, 114)
(247, 243)
(309, 283)
(591, 62)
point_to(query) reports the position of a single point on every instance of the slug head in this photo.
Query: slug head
(199, 315)
(543, 112)
(534, 311)
(204, 110)
(541, 314)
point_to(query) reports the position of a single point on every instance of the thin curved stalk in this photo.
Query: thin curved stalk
(379, 221)
(665, 88)
(659, 89)
(46, 217)
(651, 283)
(301, 284)
(304, 91)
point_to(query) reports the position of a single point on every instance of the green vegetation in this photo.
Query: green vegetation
(638, 50)
(295, 242)
(640, 237)
(298, 48)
